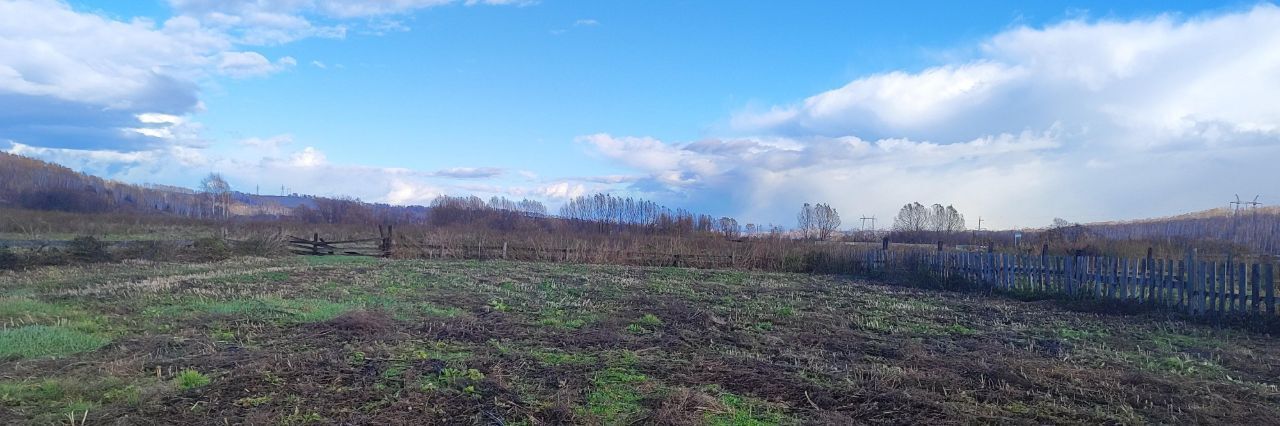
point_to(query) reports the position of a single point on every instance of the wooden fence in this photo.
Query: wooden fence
(1198, 285)
(316, 246)
(1192, 285)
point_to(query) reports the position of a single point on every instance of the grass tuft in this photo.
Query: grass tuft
(191, 379)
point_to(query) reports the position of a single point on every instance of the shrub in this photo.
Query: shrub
(9, 259)
(211, 248)
(191, 379)
(261, 246)
(148, 250)
(88, 249)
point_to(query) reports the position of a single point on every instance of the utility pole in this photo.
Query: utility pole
(1237, 205)
(873, 223)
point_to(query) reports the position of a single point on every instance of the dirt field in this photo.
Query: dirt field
(342, 340)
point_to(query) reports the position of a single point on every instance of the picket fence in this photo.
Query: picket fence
(1195, 286)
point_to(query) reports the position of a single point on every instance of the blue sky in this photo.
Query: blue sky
(708, 105)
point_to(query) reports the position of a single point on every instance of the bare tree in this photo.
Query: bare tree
(826, 220)
(817, 221)
(913, 217)
(945, 220)
(728, 227)
(806, 221)
(219, 193)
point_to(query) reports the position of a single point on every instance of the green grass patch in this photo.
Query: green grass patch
(559, 357)
(743, 411)
(439, 311)
(338, 260)
(615, 395)
(23, 309)
(276, 310)
(258, 278)
(1182, 365)
(41, 340)
(1069, 333)
(50, 400)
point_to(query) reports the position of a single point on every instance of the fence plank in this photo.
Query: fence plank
(1255, 287)
(1162, 295)
(1268, 281)
(1241, 299)
(1226, 287)
(1211, 287)
(1126, 280)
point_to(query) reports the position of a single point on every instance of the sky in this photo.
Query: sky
(1015, 112)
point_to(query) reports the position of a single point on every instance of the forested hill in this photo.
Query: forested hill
(1257, 228)
(39, 185)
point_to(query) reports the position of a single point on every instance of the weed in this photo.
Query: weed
(253, 401)
(498, 305)
(785, 311)
(191, 379)
(453, 379)
(959, 330)
(650, 320)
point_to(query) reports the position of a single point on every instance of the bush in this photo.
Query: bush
(211, 248)
(261, 246)
(9, 259)
(148, 250)
(88, 249)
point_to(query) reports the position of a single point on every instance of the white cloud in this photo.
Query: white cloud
(562, 190)
(252, 64)
(469, 172)
(319, 65)
(308, 157)
(257, 22)
(77, 79)
(586, 23)
(1077, 119)
(409, 193)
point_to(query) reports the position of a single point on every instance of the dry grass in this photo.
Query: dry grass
(336, 340)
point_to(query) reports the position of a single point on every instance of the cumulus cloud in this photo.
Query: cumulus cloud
(252, 64)
(469, 172)
(72, 79)
(1075, 119)
(275, 22)
(562, 190)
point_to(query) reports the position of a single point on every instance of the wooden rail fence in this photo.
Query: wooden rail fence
(316, 246)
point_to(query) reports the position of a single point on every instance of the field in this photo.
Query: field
(359, 340)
